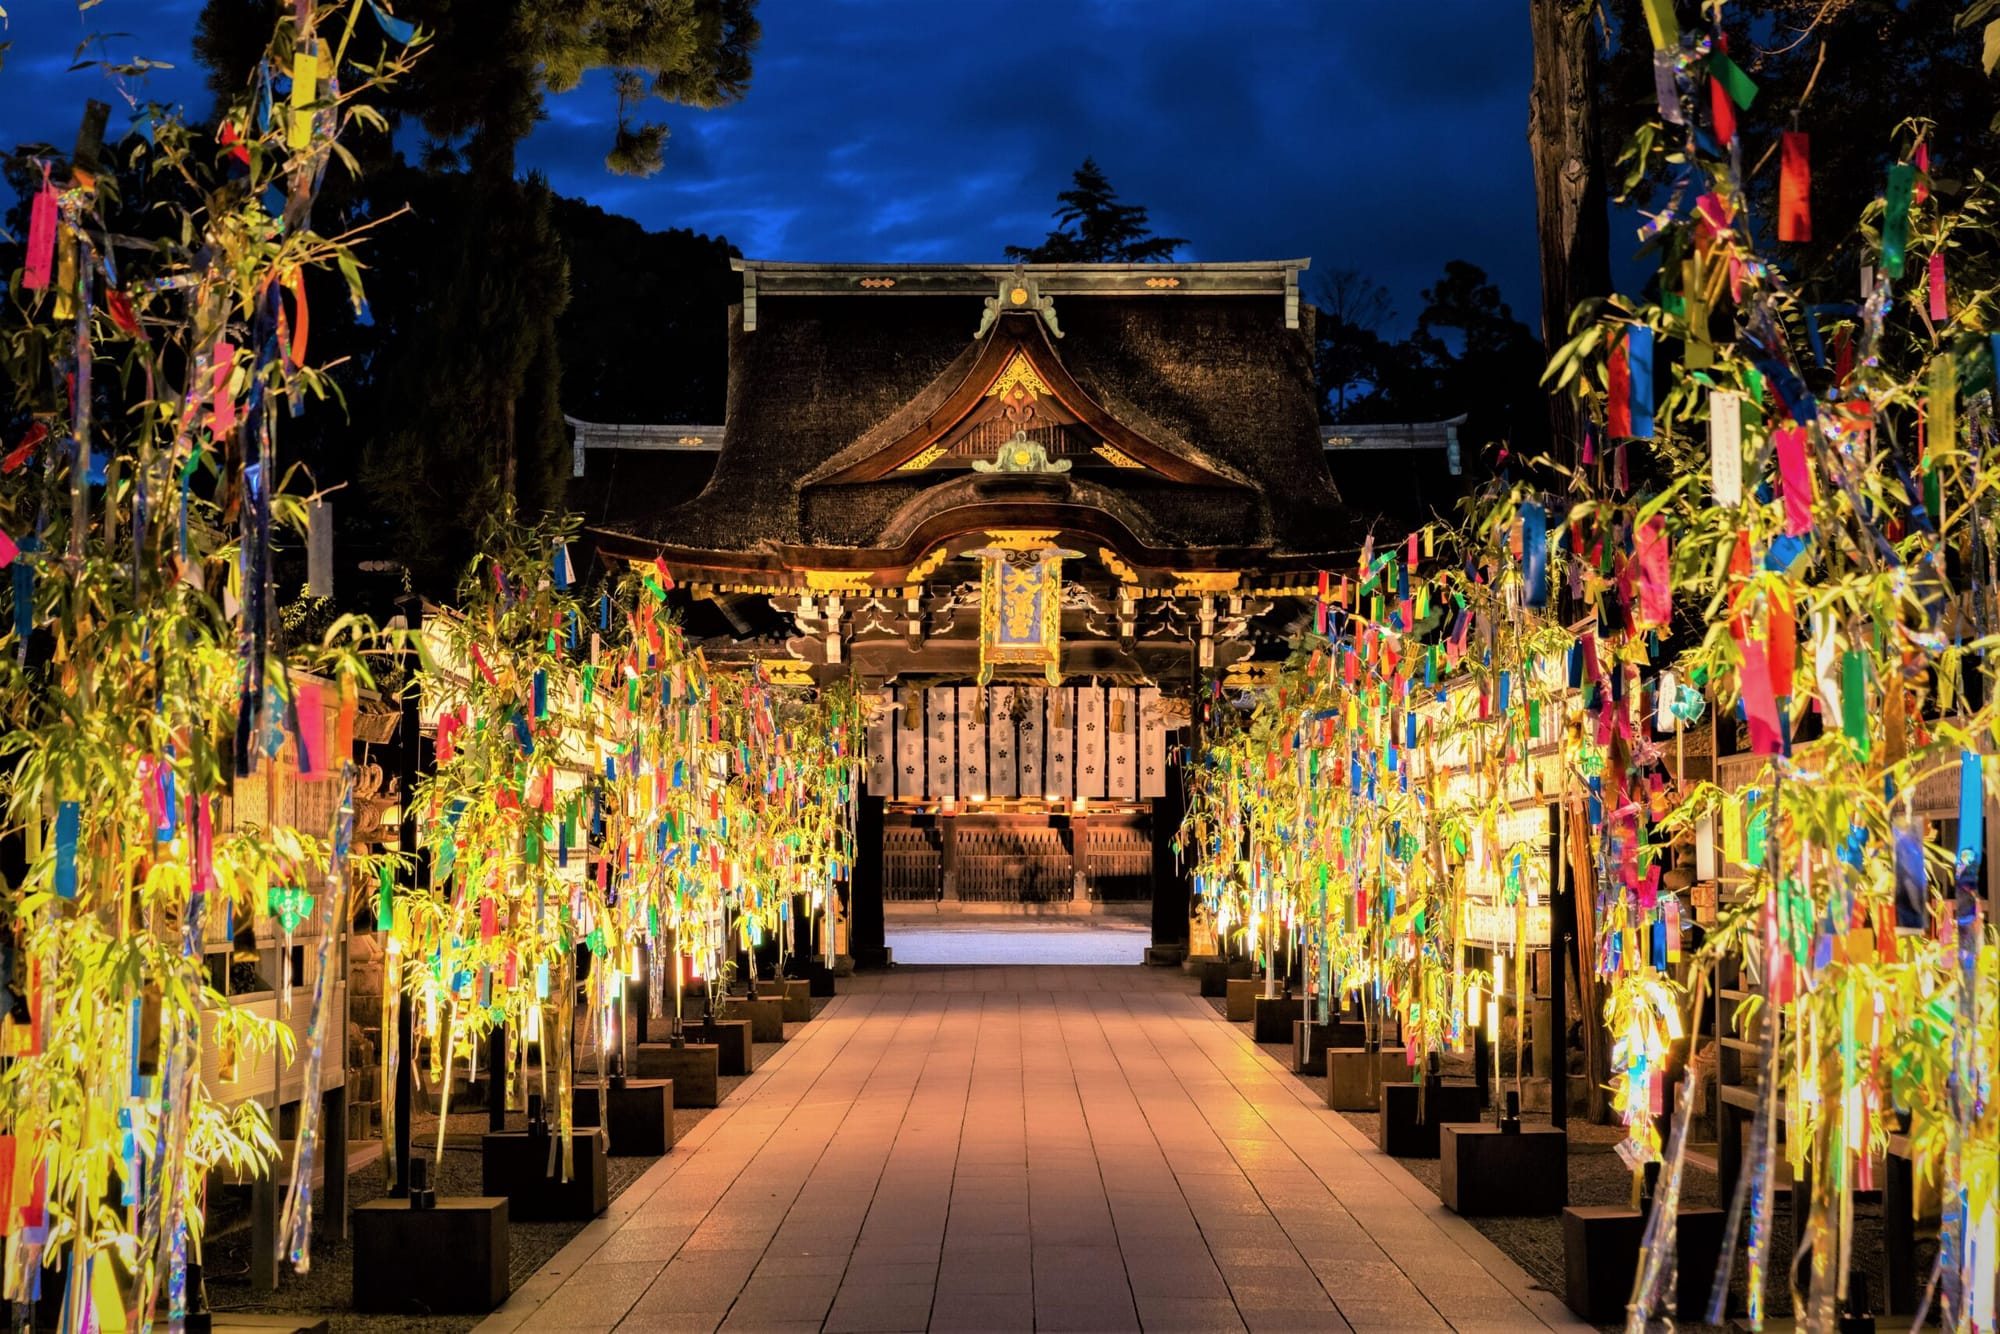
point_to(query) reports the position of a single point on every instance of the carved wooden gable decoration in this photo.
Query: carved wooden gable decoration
(1018, 409)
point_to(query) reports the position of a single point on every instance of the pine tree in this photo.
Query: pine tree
(1094, 228)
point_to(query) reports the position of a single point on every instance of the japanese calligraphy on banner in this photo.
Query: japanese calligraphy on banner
(1020, 604)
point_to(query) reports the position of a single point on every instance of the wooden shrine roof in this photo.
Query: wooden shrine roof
(861, 395)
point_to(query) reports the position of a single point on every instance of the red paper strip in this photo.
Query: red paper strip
(1940, 308)
(1618, 389)
(20, 453)
(1795, 477)
(1795, 188)
(122, 314)
(1725, 112)
(303, 324)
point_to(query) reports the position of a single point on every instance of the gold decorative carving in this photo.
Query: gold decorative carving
(1022, 539)
(1116, 457)
(1126, 574)
(838, 581)
(926, 567)
(1019, 380)
(1018, 295)
(787, 671)
(1163, 282)
(878, 282)
(1251, 674)
(917, 463)
(1207, 581)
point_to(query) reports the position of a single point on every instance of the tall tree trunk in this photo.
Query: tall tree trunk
(1569, 185)
(1576, 266)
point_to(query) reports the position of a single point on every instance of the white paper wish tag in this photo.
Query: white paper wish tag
(1725, 446)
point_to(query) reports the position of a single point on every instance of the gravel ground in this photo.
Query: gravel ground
(1597, 1176)
(324, 1292)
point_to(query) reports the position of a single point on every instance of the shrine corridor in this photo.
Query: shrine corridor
(1014, 1148)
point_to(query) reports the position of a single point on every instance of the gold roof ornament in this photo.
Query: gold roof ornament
(1018, 378)
(1022, 455)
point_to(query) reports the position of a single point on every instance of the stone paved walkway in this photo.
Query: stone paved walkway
(1018, 1148)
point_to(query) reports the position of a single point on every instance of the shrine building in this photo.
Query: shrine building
(1039, 511)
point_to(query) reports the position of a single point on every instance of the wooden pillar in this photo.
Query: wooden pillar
(1079, 857)
(1562, 935)
(1172, 889)
(496, 1074)
(867, 938)
(333, 1159)
(948, 858)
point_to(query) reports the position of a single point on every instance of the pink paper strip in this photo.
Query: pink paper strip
(1760, 705)
(1795, 476)
(1940, 308)
(41, 240)
(312, 730)
(222, 364)
(1656, 596)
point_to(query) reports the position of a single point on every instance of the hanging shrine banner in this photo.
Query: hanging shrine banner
(1152, 745)
(1059, 743)
(885, 719)
(1028, 738)
(973, 779)
(1090, 742)
(1020, 607)
(941, 741)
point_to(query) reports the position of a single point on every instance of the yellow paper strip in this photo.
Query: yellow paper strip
(305, 87)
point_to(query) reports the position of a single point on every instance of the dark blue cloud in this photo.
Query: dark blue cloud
(1368, 134)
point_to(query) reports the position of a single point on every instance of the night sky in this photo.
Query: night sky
(1367, 134)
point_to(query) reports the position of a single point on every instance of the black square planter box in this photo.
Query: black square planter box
(1488, 1172)
(1214, 977)
(516, 1164)
(735, 1050)
(1355, 1076)
(765, 1013)
(819, 979)
(1310, 1042)
(1272, 1017)
(1601, 1259)
(1401, 1135)
(642, 1116)
(692, 1068)
(447, 1260)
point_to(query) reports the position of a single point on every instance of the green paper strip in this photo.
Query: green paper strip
(1854, 699)
(1733, 80)
(1896, 218)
